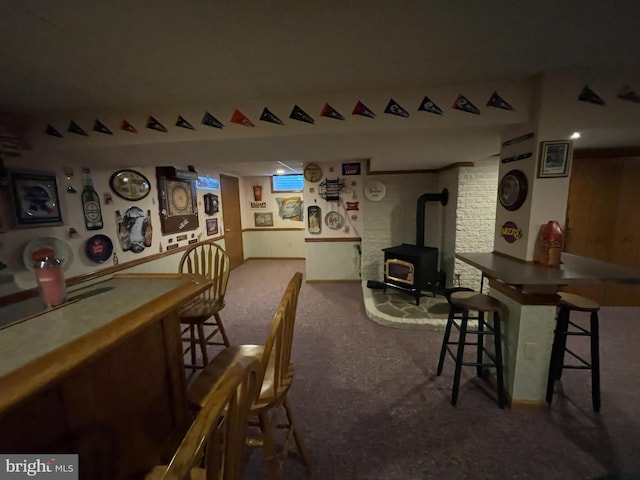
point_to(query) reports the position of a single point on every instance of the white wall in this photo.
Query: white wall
(392, 220)
(475, 216)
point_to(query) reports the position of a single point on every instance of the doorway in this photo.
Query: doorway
(230, 193)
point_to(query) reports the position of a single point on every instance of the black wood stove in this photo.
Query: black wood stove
(414, 268)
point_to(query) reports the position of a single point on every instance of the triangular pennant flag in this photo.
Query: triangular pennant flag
(298, 114)
(75, 128)
(361, 109)
(239, 118)
(181, 122)
(268, 116)
(626, 93)
(154, 124)
(127, 127)
(53, 132)
(464, 104)
(98, 126)
(395, 109)
(498, 102)
(588, 95)
(330, 112)
(428, 105)
(211, 121)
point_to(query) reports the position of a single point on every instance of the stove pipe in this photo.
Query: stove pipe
(442, 197)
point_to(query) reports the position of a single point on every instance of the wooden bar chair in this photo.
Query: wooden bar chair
(210, 260)
(566, 328)
(213, 447)
(277, 370)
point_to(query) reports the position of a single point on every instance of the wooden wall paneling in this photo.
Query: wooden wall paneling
(602, 223)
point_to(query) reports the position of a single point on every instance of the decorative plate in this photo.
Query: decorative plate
(130, 185)
(334, 220)
(312, 173)
(41, 248)
(99, 248)
(375, 191)
(512, 191)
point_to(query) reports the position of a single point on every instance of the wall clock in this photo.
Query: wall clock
(177, 199)
(512, 191)
(312, 173)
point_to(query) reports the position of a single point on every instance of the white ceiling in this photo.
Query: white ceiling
(67, 55)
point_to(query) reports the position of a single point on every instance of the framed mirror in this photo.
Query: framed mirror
(130, 185)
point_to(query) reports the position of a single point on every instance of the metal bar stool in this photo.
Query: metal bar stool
(569, 302)
(461, 301)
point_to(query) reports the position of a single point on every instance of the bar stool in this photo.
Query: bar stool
(569, 302)
(461, 301)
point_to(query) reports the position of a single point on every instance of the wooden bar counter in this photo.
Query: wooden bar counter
(101, 375)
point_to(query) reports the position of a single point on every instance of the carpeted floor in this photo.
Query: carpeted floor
(371, 408)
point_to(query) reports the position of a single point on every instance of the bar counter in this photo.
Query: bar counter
(529, 293)
(101, 375)
(535, 278)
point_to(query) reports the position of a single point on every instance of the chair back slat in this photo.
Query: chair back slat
(280, 340)
(210, 260)
(217, 437)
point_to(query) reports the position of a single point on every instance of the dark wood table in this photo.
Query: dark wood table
(101, 376)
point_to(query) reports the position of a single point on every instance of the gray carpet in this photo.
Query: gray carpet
(370, 406)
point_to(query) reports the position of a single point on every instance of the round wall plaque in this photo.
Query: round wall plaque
(312, 173)
(512, 191)
(375, 191)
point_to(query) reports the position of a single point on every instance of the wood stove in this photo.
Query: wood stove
(411, 268)
(414, 268)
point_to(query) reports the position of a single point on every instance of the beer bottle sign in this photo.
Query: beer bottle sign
(90, 203)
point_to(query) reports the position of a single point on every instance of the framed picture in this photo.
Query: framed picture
(555, 158)
(263, 219)
(130, 185)
(35, 199)
(212, 226)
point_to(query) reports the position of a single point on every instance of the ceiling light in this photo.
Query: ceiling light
(280, 171)
(575, 135)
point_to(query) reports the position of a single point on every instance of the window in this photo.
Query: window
(287, 183)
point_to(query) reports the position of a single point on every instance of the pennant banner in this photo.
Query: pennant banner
(127, 127)
(181, 122)
(211, 121)
(298, 114)
(268, 116)
(428, 105)
(154, 124)
(330, 112)
(53, 132)
(588, 95)
(498, 102)
(75, 128)
(361, 109)
(239, 118)
(464, 104)
(395, 109)
(626, 93)
(98, 126)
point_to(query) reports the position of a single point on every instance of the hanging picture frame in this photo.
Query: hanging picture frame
(212, 226)
(555, 159)
(35, 199)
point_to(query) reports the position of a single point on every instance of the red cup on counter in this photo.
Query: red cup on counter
(51, 283)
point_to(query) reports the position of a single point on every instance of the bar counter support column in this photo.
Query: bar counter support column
(527, 332)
